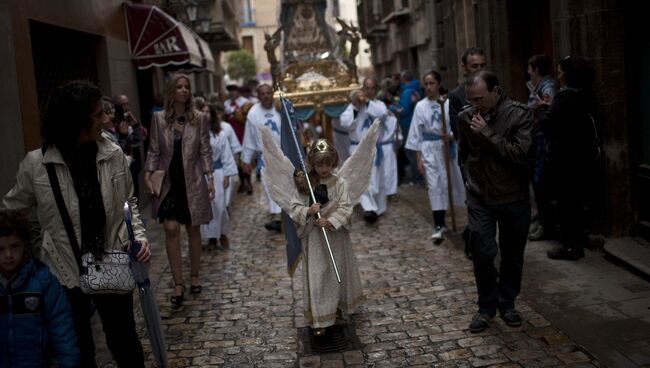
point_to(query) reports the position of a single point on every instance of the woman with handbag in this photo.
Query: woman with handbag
(179, 148)
(78, 183)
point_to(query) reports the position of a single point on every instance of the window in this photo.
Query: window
(247, 14)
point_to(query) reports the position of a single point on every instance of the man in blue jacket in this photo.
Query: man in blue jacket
(34, 311)
(410, 94)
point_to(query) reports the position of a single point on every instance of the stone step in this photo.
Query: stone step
(631, 251)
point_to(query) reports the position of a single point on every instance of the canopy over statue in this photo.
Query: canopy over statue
(316, 69)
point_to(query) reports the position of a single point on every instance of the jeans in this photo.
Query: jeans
(116, 313)
(498, 290)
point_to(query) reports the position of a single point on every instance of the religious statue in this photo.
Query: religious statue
(271, 43)
(349, 33)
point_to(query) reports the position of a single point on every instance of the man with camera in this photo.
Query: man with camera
(495, 136)
(137, 134)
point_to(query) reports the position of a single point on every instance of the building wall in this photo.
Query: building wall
(265, 16)
(11, 130)
(115, 73)
(510, 32)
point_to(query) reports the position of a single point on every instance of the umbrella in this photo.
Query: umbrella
(147, 297)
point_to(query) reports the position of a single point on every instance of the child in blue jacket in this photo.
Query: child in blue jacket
(35, 317)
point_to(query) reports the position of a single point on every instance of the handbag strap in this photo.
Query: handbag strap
(65, 216)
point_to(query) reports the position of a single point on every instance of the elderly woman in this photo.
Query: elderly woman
(180, 146)
(95, 181)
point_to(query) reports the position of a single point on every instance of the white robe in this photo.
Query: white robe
(374, 198)
(235, 148)
(259, 116)
(322, 293)
(424, 136)
(224, 166)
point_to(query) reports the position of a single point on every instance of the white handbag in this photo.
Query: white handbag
(110, 275)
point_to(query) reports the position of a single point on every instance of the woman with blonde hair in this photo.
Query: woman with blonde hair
(180, 147)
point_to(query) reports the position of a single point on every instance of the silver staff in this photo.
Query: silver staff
(311, 190)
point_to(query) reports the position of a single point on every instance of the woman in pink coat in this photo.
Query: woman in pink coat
(180, 146)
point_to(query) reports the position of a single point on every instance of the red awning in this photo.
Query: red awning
(157, 39)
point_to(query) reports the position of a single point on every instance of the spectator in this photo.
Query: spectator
(541, 87)
(39, 311)
(94, 172)
(568, 122)
(472, 60)
(409, 96)
(180, 146)
(495, 136)
(139, 133)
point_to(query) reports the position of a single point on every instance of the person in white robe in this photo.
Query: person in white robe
(357, 118)
(224, 167)
(262, 114)
(427, 138)
(324, 296)
(335, 194)
(233, 142)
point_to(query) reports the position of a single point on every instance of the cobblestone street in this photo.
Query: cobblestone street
(420, 299)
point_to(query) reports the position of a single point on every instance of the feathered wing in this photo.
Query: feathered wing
(277, 171)
(356, 170)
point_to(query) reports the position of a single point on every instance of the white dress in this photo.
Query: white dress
(235, 148)
(374, 198)
(224, 166)
(425, 137)
(322, 292)
(259, 116)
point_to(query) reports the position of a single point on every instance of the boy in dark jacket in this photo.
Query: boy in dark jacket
(35, 316)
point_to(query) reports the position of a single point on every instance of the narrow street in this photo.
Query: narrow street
(420, 299)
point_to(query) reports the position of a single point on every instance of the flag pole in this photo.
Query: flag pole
(450, 192)
(311, 190)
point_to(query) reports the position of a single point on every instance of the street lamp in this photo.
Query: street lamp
(192, 10)
(206, 24)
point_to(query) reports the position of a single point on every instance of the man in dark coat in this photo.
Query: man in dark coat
(495, 136)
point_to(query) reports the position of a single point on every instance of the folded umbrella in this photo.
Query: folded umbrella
(148, 304)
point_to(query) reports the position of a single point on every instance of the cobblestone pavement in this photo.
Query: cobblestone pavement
(420, 299)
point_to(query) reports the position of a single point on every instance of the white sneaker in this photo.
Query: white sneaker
(438, 234)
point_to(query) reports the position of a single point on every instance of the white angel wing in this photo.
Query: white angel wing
(277, 171)
(356, 170)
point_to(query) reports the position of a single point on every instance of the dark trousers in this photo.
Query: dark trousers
(498, 290)
(116, 313)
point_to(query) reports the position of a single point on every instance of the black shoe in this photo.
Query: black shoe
(479, 323)
(370, 217)
(511, 317)
(273, 226)
(570, 254)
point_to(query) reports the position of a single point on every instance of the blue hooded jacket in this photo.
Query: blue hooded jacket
(35, 317)
(409, 89)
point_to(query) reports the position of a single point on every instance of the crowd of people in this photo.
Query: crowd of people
(472, 146)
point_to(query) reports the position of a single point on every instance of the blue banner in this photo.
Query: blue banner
(290, 148)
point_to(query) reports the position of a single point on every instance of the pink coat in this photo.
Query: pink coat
(197, 161)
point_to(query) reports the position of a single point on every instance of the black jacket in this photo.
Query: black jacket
(495, 159)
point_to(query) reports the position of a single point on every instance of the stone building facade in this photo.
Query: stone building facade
(419, 35)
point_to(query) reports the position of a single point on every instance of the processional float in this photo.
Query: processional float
(316, 72)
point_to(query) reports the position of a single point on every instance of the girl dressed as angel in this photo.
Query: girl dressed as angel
(323, 294)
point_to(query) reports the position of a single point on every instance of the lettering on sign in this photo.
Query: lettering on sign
(166, 46)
